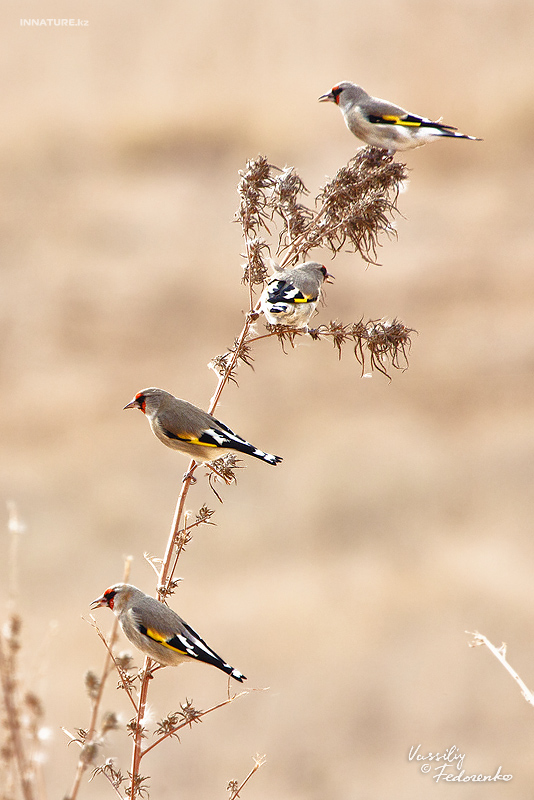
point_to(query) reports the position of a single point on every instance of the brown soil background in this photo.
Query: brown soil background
(402, 515)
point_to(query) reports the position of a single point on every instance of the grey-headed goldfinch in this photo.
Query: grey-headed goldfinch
(291, 295)
(158, 631)
(193, 432)
(381, 124)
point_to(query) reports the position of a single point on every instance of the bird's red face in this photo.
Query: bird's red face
(139, 401)
(333, 96)
(106, 600)
(326, 275)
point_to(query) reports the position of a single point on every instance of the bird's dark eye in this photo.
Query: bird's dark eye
(336, 91)
(109, 595)
(324, 272)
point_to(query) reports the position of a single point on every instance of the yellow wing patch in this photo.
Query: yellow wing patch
(400, 121)
(157, 637)
(194, 440)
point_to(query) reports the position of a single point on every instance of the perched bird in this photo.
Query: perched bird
(382, 124)
(157, 630)
(194, 432)
(291, 295)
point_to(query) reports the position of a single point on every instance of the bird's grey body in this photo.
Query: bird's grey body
(292, 294)
(184, 427)
(157, 630)
(380, 123)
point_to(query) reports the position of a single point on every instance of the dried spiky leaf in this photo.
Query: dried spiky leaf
(169, 589)
(288, 186)
(284, 334)
(255, 270)
(138, 790)
(189, 713)
(204, 516)
(114, 776)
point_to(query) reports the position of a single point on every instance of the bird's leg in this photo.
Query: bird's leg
(188, 476)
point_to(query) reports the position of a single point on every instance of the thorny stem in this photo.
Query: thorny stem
(13, 723)
(108, 667)
(138, 737)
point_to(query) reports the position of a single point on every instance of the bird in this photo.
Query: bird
(292, 294)
(195, 433)
(382, 124)
(158, 631)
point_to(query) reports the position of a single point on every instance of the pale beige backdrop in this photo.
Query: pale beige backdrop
(403, 512)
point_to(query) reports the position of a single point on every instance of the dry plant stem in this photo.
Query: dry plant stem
(165, 574)
(500, 655)
(172, 554)
(108, 667)
(259, 761)
(137, 753)
(13, 723)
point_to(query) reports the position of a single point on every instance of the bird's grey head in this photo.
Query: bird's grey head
(115, 597)
(344, 92)
(319, 269)
(148, 400)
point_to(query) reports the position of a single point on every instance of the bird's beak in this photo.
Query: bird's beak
(132, 404)
(329, 278)
(100, 601)
(324, 97)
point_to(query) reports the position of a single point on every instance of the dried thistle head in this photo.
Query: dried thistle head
(92, 684)
(226, 363)
(110, 722)
(124, 660)
(386, 341)
(256, 181)
(88, 753)
(169, 589)
(11, 632)
(356, 206)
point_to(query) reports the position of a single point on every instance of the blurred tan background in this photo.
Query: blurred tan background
(402, 515)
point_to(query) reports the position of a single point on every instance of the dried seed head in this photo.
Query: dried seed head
(356, 206)
(110, 722)
(124, 660)
(255, 182)
(92, 684)
(89, 753)
(296, 217)
(255, 271)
